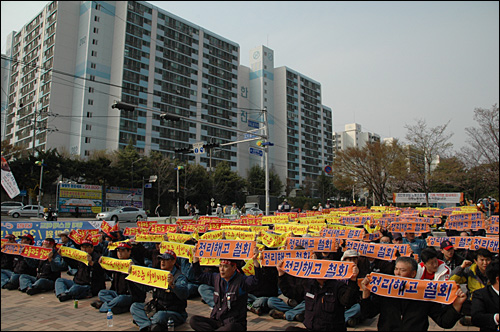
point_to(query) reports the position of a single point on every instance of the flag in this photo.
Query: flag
(8, 181)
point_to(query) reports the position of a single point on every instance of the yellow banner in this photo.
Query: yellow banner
(232, 234)
(209, 261)
(214, 235)
(148, 276)
(179, 238)
(274, 240)
(249, 268)
(297, 229)
(274, 219)
(181, 250)
(112, 264)
(77, 255)
(149, 238)
(113, 245)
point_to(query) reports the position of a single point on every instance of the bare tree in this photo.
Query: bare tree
(426, 145)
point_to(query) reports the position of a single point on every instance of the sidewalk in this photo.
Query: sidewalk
(44, 312)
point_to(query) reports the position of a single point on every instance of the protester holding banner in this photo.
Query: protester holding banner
(474, 276)
(166, 303)
(21, 265)
(48, 271)
(122, 293)
(449, 256)
(416, 245)
(7, 260)
(231, 289)
(89, 278)
(402, 313)
(67, 242)
(432, 268)
(325, 298)
(485, 313)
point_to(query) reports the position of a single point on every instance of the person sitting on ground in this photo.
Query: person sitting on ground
(449, 256)
(431, 268)
(258, 299)
(88, 280)
(352, 314)
(230, 296)
(21, 265)
(485, 301)
(166, 303)
(474, 276)
(67, 242)
(48, 271)
(7, 260)
(325, 299)
(122, 292)
(401, 314)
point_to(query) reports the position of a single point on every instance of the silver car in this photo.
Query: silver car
(127, 213)
(7, 206)
(27, 211)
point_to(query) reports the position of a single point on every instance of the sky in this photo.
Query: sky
(383, 65)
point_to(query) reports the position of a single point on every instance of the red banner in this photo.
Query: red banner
(36, 252)
(162, 228)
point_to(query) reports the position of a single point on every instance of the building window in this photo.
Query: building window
(92, 65)
(91, 102)
(87, 139)
(94, 53)
(96, 18)
(96, 30)
(92, 78)
(94, 41)
(88, 127)
(89, 114)
(87, 153)
(91, 89)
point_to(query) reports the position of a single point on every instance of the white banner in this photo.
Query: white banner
(8, 181)
(433, 197)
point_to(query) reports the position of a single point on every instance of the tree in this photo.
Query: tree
(368, 168)
(325, 186)
(426, 145)
(256, 182)
(228, 185)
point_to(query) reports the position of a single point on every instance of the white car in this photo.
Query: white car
(27, 211)
(254, 211)
(126, 213)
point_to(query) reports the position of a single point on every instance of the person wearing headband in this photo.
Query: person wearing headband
(231, 289)
(48, 271)
(7, 260)
(21, 265)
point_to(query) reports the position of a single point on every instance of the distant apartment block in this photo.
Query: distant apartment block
(353, 137)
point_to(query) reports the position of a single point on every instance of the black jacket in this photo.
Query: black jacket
(91, 275)
(51, 270)
(456, 260)
(7, 261)
(398, 314)
(325, 306)
(235, 291)
(21, 266)
(484, 307)
(268, 283)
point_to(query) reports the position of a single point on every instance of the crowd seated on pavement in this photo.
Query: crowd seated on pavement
(232, 287)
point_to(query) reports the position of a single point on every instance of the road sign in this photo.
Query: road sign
(198, 148)
(255, 151)
(253, 124)
(328, 169)
(148, 185)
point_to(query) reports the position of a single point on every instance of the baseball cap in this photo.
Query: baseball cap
(397, 236)
(168, 254)
(87, 242)
(10, 236)
(28, 236)
(349, 253)
(123, 245)
(446, 245)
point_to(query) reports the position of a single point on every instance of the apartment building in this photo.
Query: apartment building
(352, 137)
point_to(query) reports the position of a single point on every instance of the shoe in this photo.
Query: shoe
(292, 303)
(352, 322)
(120, 310)
(299, 317)
(276, 314)
(98, 304)
(257, 311)
(33, 291)
(9, 286)
(466, 321)
(156, 327)
(23, 290)
(133, 321)
(64, 297)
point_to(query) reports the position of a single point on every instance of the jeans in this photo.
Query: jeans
(6, 275)
(192, 290)
(290, 313)
(207, 294)
(258, 302)
(26, 281)
(161, 317)
(352, 311)
(112, 299)
(65, 286)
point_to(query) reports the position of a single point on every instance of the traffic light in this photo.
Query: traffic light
(211, 145)
(123, 106)
(170, 117)
(38, 163)
(183, 150)
(262, 143)
(259, 143)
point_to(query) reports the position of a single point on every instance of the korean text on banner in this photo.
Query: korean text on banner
(272, 257)
(231, 249)
(36, 252)
(148, 276)
(113, 264)
(12, 248)
(75, 254)
(443, 292)
(181, 250)
(316, 244)
(316, 268)
(374, 250)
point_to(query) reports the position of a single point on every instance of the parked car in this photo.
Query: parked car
(27, 211)
(254, 211)
(7, 206)
(127, 213)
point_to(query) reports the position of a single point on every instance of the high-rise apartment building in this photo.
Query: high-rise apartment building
(352, 137)
(76, 58)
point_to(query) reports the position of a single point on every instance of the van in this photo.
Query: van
(7, 206)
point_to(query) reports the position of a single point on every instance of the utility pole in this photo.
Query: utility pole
(266, 158)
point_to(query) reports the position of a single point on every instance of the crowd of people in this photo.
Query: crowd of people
(320, 304)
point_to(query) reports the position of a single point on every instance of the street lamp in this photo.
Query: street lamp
(177, 169)
(39, 198)
(132, 173)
